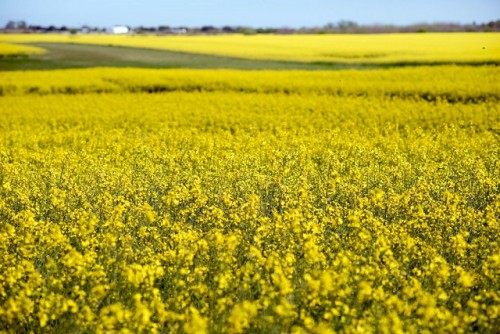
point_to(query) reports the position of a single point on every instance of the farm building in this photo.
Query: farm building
(119, 30)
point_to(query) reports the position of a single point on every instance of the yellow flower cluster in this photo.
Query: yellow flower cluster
(344, 48)
(302, 206)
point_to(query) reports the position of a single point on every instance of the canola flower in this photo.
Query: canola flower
(344, 48)
(150, 201)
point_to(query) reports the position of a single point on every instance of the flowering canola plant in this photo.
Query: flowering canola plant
(138, 201)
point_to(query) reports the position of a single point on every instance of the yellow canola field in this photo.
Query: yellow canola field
(7, 49)
(453, 83)
(238, 210)
(377, 48)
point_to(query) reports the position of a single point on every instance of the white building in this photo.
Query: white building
(120, 30)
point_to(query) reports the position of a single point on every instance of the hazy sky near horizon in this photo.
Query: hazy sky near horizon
(256, 13)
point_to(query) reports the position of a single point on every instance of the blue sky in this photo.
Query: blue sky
(256, 13)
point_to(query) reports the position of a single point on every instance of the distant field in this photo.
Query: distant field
(348, 49)
(66, 55)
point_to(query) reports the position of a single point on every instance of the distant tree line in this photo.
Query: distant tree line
(341, 27)
(23, 27)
